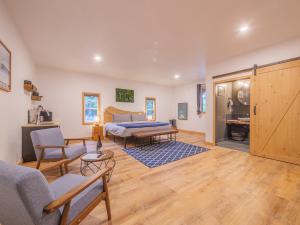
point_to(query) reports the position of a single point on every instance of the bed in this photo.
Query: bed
(120, 123)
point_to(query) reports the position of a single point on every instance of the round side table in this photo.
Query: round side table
(94, 162)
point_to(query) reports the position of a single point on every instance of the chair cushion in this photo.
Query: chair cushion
(69, 181)
(51, 136)
(72, 152)
(23, 196)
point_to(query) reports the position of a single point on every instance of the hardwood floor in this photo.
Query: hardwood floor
(218, 187)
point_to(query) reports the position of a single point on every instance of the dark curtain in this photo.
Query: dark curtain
(200, 91)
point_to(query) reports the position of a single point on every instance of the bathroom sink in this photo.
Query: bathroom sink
(244, 119)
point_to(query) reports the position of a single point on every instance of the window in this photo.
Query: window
(90, 108)
(201, 98)
(150, 108)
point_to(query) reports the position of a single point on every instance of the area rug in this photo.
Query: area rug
(163, 153)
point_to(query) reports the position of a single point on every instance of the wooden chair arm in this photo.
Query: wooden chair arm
(50, 146)
(76, 139)
(66, 198)
(67, 140)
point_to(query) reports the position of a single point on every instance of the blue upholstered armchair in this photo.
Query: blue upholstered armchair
(26, 198)
(50, 145)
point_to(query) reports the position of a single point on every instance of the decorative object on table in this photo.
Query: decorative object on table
(93, 162)
(163, 153)
(5, 68)
(183, 111)
(99, 146)
(221, 90)
(124, 95)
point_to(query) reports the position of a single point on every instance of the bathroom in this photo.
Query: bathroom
(232, 115)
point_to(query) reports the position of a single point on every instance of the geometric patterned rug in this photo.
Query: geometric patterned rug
(163, 153)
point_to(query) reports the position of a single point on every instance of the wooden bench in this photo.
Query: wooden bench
(152, 134)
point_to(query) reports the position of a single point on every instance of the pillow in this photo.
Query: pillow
(138, 117)
(119, 118)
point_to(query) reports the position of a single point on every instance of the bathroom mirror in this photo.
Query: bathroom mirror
(243, 95)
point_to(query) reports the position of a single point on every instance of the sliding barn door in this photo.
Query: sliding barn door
(275, 114)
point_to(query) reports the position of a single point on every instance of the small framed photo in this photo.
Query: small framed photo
(220, 90)
(5, 68)
(182, 111)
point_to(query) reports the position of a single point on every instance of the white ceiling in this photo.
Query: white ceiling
(184, 36)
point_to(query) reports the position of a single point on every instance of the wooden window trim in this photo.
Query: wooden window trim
(151, 98)
(83, 106)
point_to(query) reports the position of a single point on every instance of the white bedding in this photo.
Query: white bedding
(116, 130)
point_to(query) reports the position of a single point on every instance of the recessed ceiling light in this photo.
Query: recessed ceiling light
(98, 58)
(176, 76)
(244, 29)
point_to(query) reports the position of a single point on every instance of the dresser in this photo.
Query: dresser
(28, 154)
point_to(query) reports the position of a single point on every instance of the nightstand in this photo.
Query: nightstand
(97, 131)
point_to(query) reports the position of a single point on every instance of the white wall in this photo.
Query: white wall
(62, 93)
(187, 93)
(195, 122)
(13, 105)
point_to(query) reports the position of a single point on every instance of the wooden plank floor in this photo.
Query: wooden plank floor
(218, 187)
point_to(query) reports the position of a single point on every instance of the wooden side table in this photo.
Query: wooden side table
(97, 132)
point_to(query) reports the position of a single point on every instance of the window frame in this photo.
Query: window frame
(84, 94)
(154, 110)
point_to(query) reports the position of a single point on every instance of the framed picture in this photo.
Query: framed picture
(220, 90)
(124, 95)
(5, 68)
(182, 111)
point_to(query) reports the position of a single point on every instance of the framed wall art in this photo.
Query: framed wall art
(5, 68)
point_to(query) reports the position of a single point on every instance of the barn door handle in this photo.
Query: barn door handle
(254, 110)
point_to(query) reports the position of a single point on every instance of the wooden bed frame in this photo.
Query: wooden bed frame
(108, 117)
(109, 111)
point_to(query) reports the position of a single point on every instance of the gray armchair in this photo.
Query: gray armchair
(50, 145)
(27, 199)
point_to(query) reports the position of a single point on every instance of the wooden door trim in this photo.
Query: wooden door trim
(258, 67)
(277, 67)
(225, 80)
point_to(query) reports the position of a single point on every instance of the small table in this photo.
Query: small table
(95, 162)
(97, 132)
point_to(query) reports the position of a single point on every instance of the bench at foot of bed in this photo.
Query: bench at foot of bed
(153, 134)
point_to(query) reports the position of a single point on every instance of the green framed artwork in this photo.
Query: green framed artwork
(124, 95)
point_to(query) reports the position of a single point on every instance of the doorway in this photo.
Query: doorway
(232, 114)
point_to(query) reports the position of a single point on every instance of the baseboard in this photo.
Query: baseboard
(192, 131)
(209, 143)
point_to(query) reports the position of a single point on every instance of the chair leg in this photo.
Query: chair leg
(66, 168)
(107, 203)
(40, 159)
(61, 170)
